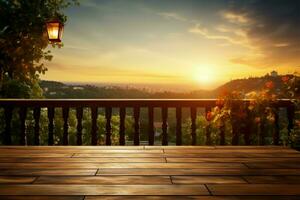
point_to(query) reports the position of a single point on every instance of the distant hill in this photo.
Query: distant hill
(251, 84)
(54, 90)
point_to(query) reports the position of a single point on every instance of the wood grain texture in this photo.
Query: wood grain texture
(103, 189)
(105, 180)
(206, 179)
(254, 189)
(192, 197)
(96, 165)
(149, 172)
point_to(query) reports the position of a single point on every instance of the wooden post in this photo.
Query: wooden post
(22, 114)
(164, 126)
(208, 128)
(94, 127)
(122, 125)
(235, 124)
(222, 135)
(151, 125)
(50, 125)
(36, 115)
(108, 111)
(66, 125)
(79, 115)
(290, 117)
(276, 128)
(193, 125)
(178, 126)
(7, 131)
(136, 116)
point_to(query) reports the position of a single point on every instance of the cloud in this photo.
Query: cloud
(269, 29)
(272, 27)
(236, 18)
(172, 15)
(236, 37)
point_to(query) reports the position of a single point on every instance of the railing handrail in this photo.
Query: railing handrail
(126, 102)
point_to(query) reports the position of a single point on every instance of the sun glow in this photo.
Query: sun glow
(205, 75)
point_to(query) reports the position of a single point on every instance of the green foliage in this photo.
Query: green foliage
(23, 43)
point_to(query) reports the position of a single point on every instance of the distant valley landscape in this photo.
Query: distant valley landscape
(55, 90)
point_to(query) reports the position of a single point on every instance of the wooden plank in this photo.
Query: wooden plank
(233, 155)
(274, 165)
(252, 147)
(150, 197)
(103, 190)
(118, 155)
(48, 172)
(73, 147)
(54, 150)
(16, 179)
(192, 197)
(105, 180)
(92, 165)
(206, 179)
(237, 159)
(173, 172)
(224, 151)
(35, 155)
(254, 189)
(273, 179)
(81, 159)
(42, 197)
(180, 147)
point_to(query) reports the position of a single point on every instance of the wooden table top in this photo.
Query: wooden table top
(149, 172)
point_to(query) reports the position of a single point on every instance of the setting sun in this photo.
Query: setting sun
(205, 75)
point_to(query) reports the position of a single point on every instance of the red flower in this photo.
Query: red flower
(269, 85)
(285, 79)
(209, 116)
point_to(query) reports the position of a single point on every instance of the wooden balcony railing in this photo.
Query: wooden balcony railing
(23, 105)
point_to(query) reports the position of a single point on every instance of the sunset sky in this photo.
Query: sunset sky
(192, 44)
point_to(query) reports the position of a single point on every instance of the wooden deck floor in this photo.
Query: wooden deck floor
(143, 172)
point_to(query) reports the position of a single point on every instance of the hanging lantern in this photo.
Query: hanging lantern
(54, 30)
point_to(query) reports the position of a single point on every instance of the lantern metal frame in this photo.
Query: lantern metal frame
(60, 30)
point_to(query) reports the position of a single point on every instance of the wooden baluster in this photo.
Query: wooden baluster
(208, 128)
(94, 125)
(261, 137)
(249, 126)
(276, 128)
(22, 114)
(108, 111)
(66, 125)
(222, 135)
(7, 131)
(235, 123)
(79, 115)
(122, 125)
(151, 125)
(193, 125)
(164, 112)
(50, 125)
(290, 117)
(136, 116)
(178, 126)
(36, 116)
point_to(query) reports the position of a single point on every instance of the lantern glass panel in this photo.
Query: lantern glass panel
(54, 30)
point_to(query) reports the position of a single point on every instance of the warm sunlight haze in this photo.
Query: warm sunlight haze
(194, 44)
